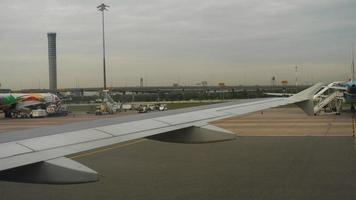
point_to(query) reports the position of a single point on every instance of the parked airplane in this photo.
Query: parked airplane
(38, 155)
(333, 94)
(22, 105)
(328, 99)
(350, 87)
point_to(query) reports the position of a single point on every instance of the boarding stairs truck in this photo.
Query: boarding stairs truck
(108, 105)
(329, 99)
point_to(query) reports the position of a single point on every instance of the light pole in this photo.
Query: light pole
(353, 64)
(296, 76)
(102, 7)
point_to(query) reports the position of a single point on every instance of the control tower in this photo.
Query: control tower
(52, 61)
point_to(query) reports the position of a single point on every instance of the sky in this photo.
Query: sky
(177, 41)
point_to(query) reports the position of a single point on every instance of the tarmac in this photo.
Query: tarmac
(300, 161)
(7, 125)
(289, 121)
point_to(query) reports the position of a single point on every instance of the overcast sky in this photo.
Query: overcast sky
(183, 41)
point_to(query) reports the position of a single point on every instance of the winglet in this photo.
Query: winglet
(307, 93)
(304, 99)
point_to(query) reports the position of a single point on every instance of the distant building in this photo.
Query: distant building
(273, 81)
(221, 84)
(141, 82)
(5, 90)
(284, 82)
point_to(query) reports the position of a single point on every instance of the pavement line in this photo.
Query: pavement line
(107, 149)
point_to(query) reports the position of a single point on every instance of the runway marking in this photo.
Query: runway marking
(107, 149)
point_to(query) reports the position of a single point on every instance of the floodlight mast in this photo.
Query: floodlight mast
(296, 76)
(353, 64)
(102, 7)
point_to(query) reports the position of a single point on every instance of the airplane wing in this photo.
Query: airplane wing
(39, 155)
(279, 94)
(338, 88)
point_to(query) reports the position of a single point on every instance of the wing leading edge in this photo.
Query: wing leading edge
(46, 154)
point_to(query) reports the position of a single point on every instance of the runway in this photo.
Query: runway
(256, 167)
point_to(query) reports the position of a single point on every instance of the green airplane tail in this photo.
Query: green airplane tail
(7, 100)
